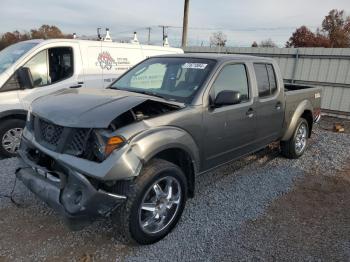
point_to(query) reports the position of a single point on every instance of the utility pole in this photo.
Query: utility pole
(185, 24)
(149, 35)
(165, 33)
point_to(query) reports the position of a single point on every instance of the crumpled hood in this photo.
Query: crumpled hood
(85, 107)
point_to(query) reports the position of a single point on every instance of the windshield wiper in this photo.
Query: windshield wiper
(149, 93)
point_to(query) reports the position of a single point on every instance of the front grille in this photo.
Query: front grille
(50, 133)
(78, 141)
(60, 139)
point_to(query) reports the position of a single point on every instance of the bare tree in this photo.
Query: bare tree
(218, 39)
(255, 44)
(267, 43)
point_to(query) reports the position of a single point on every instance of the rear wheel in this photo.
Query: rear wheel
(10, 136)
(296, 145)
(154, 203)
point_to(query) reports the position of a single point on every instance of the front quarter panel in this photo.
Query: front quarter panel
(151, 142)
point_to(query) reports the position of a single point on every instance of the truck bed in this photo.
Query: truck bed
(296, 94)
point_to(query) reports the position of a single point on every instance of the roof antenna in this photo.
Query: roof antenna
(108, 38)
(135, 40)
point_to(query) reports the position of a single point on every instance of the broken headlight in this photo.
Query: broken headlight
(105, 143)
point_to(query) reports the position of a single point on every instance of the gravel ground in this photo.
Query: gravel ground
(218, 224)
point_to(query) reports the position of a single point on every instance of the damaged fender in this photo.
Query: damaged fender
(153, 141)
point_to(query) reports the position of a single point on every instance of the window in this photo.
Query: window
(233, 78)
(266, 79)
(272, 79)
(11, 54)
(174, 78)
(149, 78)
(51, 66)
(38, 66)
(61, 63)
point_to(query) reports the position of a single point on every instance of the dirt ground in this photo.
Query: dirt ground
(311, 221)
(328, 122)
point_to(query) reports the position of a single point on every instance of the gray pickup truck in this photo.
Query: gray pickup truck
(132, 151)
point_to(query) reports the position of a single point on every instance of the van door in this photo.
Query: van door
(53, 69)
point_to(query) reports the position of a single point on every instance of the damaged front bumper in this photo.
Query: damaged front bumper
(67, 191)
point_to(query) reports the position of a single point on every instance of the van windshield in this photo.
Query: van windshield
(172, 78)
(11, 54)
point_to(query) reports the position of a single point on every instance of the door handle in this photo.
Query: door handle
(250, 113)
(278, 106)
(77, 86)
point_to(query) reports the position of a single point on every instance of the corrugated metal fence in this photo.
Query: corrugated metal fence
(328, 68)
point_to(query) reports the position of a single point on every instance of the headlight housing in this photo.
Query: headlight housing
(105, 143)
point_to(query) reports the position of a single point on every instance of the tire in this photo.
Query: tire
(128, 217)
(6, 136)
(290, 148)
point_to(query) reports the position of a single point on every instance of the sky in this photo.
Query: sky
(242, 21)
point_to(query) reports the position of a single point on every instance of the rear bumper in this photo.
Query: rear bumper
(71, 194)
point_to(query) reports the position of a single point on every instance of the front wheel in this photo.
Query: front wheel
(296, 145)
(10, 136)
(154, 203)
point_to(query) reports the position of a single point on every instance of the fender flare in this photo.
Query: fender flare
(12, 112)
(153, 141)
(305, 105)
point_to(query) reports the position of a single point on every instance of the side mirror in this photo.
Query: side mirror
(25, 78)
(227, 97)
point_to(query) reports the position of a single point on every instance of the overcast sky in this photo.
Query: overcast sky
(242, 21)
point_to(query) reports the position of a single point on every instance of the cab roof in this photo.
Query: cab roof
(222, 57)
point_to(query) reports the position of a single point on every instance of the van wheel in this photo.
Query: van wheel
(154, 204)
(296, 145)
(10, 136)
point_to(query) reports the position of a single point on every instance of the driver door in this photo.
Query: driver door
(229, 130)
(52, 70)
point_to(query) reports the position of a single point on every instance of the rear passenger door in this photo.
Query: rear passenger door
(230, 130)
(269, 105)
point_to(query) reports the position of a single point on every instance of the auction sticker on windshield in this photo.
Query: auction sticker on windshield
(195, 66)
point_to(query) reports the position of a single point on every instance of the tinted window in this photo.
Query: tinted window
(262, 79)
(233, 78)
(266, 79)
(272, 79)
(61, 63)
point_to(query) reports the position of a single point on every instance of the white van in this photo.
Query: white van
(34, 68)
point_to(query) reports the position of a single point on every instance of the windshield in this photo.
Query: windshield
(11, 54)
(172, 78)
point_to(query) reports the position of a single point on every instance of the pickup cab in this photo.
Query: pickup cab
(133, 151)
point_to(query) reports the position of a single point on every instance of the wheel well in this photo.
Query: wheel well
(183, 160)
(14, 116)
(307, 115)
